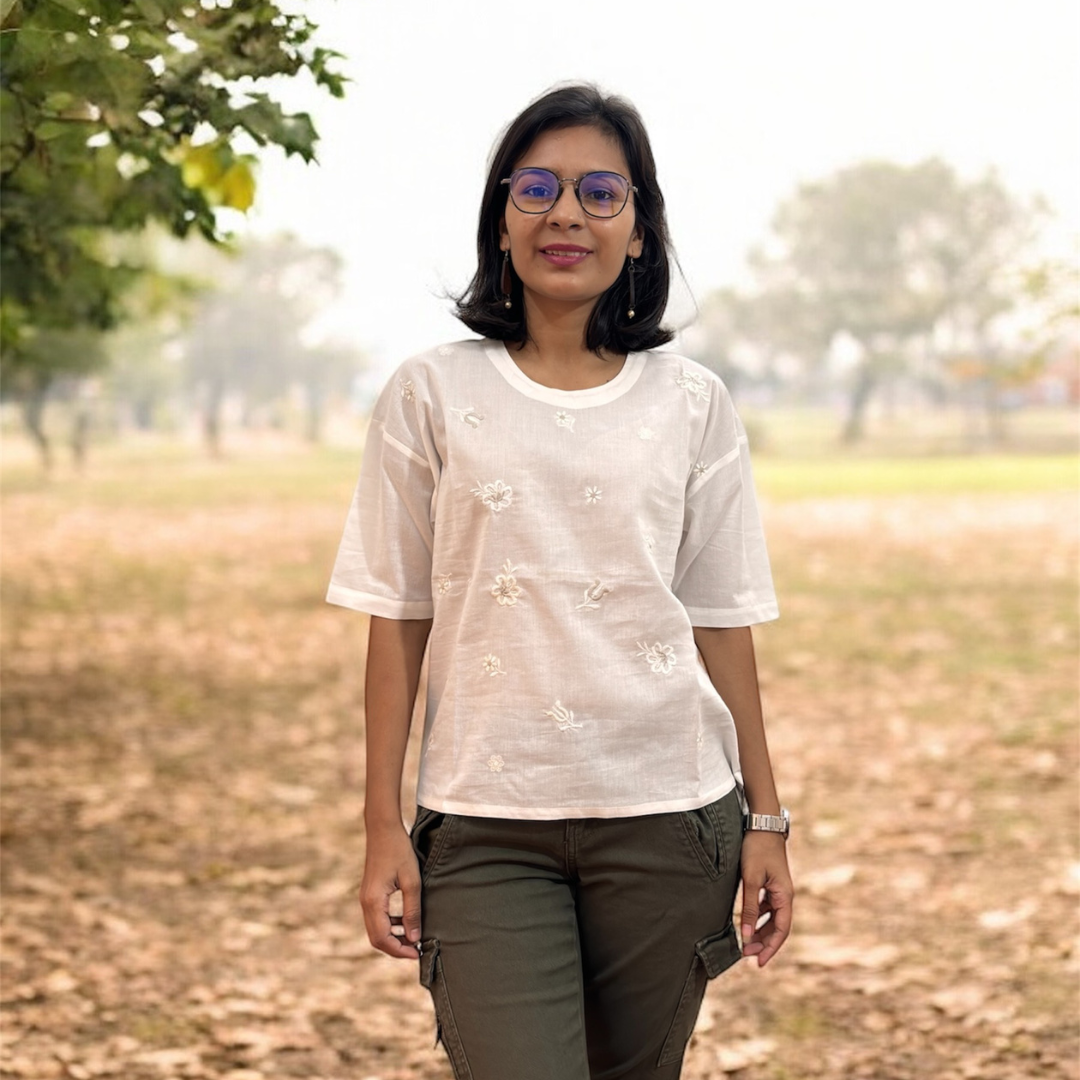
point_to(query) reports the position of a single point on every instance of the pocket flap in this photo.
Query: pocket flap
(719, 951)
(429, 953)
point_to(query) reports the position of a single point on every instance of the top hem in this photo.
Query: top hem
(553, 813)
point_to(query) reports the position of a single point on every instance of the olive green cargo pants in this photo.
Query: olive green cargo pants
(576, 949)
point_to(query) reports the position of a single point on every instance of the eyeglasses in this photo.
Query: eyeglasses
(601, 194)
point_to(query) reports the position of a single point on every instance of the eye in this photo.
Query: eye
(535, 185)
(604, 191)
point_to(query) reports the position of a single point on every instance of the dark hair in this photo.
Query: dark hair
(481, 307)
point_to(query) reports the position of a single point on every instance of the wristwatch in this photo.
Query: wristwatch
(769, 822)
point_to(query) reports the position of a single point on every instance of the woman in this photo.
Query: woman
(563, 515)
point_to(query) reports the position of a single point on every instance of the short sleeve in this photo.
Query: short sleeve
(722, 574)
(383, 564)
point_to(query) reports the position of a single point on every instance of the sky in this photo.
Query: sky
(743, 102)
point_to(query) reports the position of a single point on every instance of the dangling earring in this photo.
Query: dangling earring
(631, 271)
(506, 281)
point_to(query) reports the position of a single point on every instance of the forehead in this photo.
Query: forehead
(574, 150)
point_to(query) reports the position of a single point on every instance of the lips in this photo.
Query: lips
(564, 254)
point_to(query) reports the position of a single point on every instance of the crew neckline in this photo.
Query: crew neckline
(578, 399)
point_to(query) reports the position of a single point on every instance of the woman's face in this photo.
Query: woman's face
(564, 255)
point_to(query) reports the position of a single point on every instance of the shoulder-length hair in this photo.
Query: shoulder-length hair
(481, 307)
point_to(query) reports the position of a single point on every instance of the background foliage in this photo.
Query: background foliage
(116, 114)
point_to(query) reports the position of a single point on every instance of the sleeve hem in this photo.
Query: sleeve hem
(383, 607)
(729, 617)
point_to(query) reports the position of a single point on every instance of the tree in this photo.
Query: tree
(891, 256)
(252, 334)
(115, 114)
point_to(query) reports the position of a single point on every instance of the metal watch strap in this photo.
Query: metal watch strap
(770, 822)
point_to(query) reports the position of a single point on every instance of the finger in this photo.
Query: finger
(410, 907)
(379, 927)
(778, 929)
(751, 911)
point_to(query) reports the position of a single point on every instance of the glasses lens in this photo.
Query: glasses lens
(534, 191)
(603, 194)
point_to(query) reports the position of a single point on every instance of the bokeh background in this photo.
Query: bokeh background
(221, 232)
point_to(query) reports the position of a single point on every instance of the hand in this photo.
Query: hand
(767, 890)
(391, 867)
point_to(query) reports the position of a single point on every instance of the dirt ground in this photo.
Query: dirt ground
(183, 794)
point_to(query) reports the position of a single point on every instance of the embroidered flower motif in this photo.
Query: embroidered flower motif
(700, 469)
(564, 419)
(445, 350)
(646, 434)
(593, 595)
(592, 495)
(408, 390)
(493, 665)
(661, 658)
(506, 589)
(444, 584)
(694, 383)
(495, 763)
(563, 717)
(497, 495)
(469, 416)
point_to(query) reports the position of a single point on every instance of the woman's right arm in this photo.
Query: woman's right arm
(395, 651)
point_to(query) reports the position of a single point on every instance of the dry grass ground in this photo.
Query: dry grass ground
(183, 786)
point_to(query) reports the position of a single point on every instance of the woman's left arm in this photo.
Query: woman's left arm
(728, 653)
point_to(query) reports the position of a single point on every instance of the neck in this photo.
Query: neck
(557, 331)
(555, 354)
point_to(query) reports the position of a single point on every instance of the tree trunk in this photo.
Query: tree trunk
(212, 419)
(865, 384)
(33, 416)
(316, 401)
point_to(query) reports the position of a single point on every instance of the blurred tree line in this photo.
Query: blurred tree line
(120, 115)
(884, 272)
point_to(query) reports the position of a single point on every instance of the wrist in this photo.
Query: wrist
(382, 819)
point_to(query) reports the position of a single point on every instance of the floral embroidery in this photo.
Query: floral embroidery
(444, 584)
(506, 589)
(592, 495)
(497, 495)
(495, 763)
(563, 717)
(661, 658)
(469, 416)
(646, 434)
(493, 665)
(700, 469)
(564, 419)
(694, 383)
(593, 595)
(408, 390)
(445, 350)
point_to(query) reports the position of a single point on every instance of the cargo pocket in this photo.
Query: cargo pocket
(431, 976)
(712, 955)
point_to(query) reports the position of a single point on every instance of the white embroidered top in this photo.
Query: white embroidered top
(565, 543)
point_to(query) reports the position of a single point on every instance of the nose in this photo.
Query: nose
(567, 210)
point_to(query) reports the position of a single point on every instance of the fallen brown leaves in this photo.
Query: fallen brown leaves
(183, 741)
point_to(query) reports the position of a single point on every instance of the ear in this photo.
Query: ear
(637, 243)
(504, 236)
